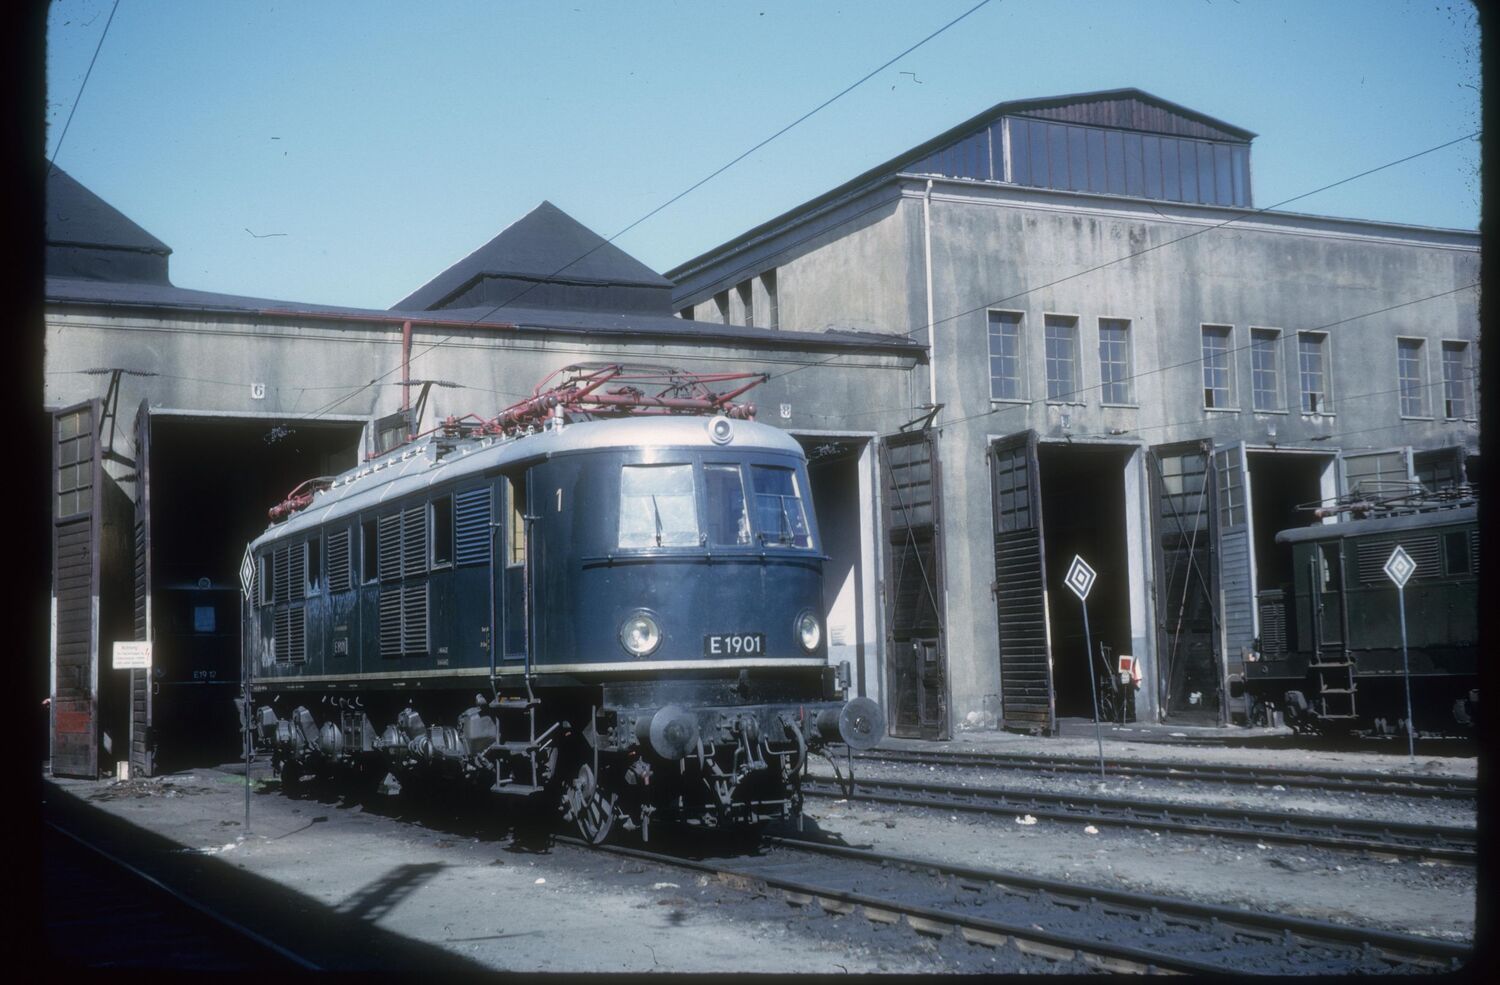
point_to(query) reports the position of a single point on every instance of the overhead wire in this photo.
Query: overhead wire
(693, 187)
(52, 161)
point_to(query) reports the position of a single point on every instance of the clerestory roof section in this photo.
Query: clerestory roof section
(90, 239)
(547, 259)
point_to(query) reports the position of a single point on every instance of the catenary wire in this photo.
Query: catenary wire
(83, 85)
(821, 106)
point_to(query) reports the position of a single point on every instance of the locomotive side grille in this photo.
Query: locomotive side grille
(414, 541)
(279, 573)
(296, 644)
(297, 572)
(390, 622)
(1272, 622)
(1373, 554)
(338, 561)
(388, 546)
(471, 524)
(414, 619)
(1474, 551)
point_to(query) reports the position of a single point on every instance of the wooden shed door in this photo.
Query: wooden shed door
(77, 468)
(142, 733)
(1377, 475)
(916, 654)
(1186, 591)
(1027, 701)
(1236, 555)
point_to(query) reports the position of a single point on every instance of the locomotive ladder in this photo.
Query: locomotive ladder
(1336, 684)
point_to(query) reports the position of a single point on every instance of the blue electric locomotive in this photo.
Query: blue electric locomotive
(618, 618)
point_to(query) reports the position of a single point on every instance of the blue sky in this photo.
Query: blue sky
(388, 140)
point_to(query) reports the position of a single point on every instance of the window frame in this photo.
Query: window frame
(1325, 350)
(1231, 392)
(1072, 395)
(801, 488)
(514, 549)
(1128, 364)
(1277, 392)
(1421, 379)
(746, 506)
(697, 489)
(1022, 376)
(1466, 361)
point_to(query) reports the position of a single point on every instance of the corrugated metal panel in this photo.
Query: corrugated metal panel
(1236, 557)
(1371, 556)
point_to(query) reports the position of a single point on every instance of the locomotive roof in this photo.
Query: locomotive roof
(1379, 525)
(422, 464)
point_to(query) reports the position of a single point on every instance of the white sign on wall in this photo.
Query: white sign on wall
(132, 656)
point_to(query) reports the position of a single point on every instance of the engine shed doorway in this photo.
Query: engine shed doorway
(1084, 511)
(204, 486)
(841, 470)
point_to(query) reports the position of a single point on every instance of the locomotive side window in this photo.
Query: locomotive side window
(1456, 552)
(1328, 567)
(314, 565)
(658, 507)
(369, 552)
(778, 506)
(728, 523)
(442, 531)
(263, 577)
(515, 531)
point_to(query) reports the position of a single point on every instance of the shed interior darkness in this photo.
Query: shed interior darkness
(211, 482)
(1083, 513)
(1279, 483)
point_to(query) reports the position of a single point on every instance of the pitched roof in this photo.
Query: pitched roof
(78, 217)
(545, 246)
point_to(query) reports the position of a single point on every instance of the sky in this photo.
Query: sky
(346, 153)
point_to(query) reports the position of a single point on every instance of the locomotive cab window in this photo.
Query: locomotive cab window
(1329, 578)
(442, 531)
(369, 554)
(779, 517)
(515, 531)
(728, 521)
(658, 507)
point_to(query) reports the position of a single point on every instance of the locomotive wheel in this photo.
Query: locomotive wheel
(1260, 714)
(586, 806)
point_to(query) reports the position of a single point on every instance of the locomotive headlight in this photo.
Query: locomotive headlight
(808, 630)
(640, 635)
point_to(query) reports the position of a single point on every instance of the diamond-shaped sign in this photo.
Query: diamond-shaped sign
(247, 573)
(1399, 567)
(1080, 577)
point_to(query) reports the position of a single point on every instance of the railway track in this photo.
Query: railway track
(1104, 929)
(1349, 781)
(1440, 843)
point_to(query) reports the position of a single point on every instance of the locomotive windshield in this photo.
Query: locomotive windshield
(657, 507)
(778, 507)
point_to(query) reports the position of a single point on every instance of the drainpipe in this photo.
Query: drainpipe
(927, 263)
(406, 365)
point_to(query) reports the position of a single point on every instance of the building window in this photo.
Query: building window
(1312, 370)
(1218, 380)
(1061, 337)
(1005, 355)
(747, 302)
(1409, 376)
(1265, 368)
(75, 463)
(1456, 401)
(1114, 360)
(773, 314)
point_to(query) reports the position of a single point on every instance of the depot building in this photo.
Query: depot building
(1058, 329)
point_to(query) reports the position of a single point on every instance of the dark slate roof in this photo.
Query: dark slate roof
(157, 297)
(544, 246)
(1052, 107)
(78, 217)
(89, 238)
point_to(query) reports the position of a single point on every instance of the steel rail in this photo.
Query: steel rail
(1030, 940)
(1445, 843)
(210, 913)
(1354, 781)
(1392, 946)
